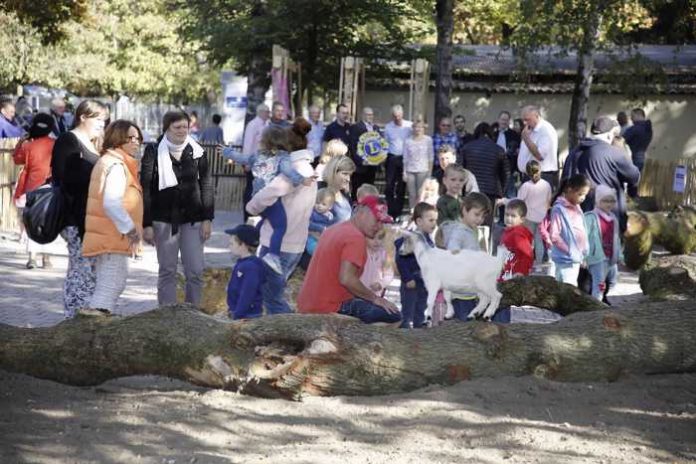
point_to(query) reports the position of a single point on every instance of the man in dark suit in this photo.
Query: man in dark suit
(364, 173)
(509, 140)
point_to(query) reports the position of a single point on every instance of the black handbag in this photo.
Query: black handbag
(44, 213)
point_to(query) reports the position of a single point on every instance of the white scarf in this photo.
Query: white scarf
(167, 178)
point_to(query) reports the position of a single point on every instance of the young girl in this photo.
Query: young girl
(418, 161)
(536, 194)
(333, 148)
(429, 192)
(378, 271)
(321, 218)
(604, 244)
(567, 229)
(271, 160)
(413, 293)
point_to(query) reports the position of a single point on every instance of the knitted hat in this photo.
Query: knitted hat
(603, 191)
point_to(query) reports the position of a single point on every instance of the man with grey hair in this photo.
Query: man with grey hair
(252, 138)
(604, 164)
(60, 116)
(397, 131)
(364, 173)
(539, 142)
(316, 134)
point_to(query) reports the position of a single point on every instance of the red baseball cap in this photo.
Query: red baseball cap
(378, 208)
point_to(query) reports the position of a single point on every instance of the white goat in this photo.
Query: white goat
(465, 271)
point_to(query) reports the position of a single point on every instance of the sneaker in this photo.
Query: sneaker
(31, 264)
(273, 262)
(94, 312)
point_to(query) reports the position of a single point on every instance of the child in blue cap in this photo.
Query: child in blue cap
(244, 299)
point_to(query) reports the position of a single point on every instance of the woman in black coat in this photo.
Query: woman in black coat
(74, 156)
(178, 197)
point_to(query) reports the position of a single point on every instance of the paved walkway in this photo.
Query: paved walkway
(33, 298)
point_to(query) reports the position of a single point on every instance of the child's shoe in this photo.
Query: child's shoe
(273, 262)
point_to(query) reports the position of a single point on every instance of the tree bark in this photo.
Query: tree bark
(443, 85)
(669, 277)
(259, 70)
(675, 231)
(293, 355)
(577, 124)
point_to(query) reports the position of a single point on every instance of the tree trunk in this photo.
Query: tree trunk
(675, 231)
(293, 355)
(443, 85)
(669, 277)
(577, 124)
(259, 71)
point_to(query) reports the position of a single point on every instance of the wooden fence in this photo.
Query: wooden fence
(9, 220)
(657, 181)
(229, 184)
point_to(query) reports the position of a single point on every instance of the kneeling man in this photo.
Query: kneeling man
(332, 283)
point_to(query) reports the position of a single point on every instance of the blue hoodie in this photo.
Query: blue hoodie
(244, 299)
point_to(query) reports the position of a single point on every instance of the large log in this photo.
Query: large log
(669, 277)
(294, 355)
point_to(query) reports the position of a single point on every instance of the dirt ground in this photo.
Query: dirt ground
(516, 420)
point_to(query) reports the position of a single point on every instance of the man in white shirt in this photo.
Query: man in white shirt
(316, 135)
(252, 138)
(539, 142)
(396, 132)
(253, 131)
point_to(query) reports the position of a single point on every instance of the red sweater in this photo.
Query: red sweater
(519, 242)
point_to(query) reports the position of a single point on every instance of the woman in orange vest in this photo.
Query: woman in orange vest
(35, 154)
(114, 221)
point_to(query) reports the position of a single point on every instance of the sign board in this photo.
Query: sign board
(372, 148)
(679, 182)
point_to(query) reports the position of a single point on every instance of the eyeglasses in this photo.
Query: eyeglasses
(135, 139)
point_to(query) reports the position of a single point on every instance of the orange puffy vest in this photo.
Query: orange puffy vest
(101, 235)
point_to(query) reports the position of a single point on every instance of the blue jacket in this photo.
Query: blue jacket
(319, 222)
(9, 129)
(408, 265)
(638, 137)
(596, 254)
(244, 290)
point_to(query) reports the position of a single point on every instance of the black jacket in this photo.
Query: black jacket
(192, 200)
(488, 163)
(603, 164)
(512, 146)
(638, 137)
(356, 130)
(71, 169)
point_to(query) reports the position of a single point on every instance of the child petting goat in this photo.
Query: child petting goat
(465, 271)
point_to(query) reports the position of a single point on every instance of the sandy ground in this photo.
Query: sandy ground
(160, 421)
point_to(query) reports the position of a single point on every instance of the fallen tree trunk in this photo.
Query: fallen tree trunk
(669, 277)
(293, 355)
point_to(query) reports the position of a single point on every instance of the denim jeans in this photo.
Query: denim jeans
(567, 273)
(602, 273)
(275, 215)
(413, 304)
(367, 312)
(462, 308)
(273, 290)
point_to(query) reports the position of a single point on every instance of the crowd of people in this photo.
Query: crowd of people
(314, 190)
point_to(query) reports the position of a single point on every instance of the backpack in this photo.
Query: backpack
(44, 213)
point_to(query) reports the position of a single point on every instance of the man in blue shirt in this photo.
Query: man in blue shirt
(340, 128)
(443, 136)
(8, 126)
(244, 300)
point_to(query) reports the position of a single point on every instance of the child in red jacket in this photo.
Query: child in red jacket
(518, 240)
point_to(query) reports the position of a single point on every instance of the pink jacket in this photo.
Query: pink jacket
(297, 201)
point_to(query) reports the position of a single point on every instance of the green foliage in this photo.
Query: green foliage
(485, 21)
(46, 17)
(317, 33)
(118, 46)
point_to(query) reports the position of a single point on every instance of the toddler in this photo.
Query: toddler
(378, 271)
(366, 190)
(321, 218)
(271, 160)
(463, 235)
(244, 299)
(414, 296)
(429, 192)
(536, 193)
(604, 244)
(517, 238)
(567, 229)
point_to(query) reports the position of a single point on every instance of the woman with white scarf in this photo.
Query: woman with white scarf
(178, 197)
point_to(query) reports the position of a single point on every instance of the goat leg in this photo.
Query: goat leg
(448, 299)
(492, 306)
(482, 302)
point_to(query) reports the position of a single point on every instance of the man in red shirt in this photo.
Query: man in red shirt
(332, 283)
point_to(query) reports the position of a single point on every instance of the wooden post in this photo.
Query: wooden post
(351, 69)
(418, 94)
